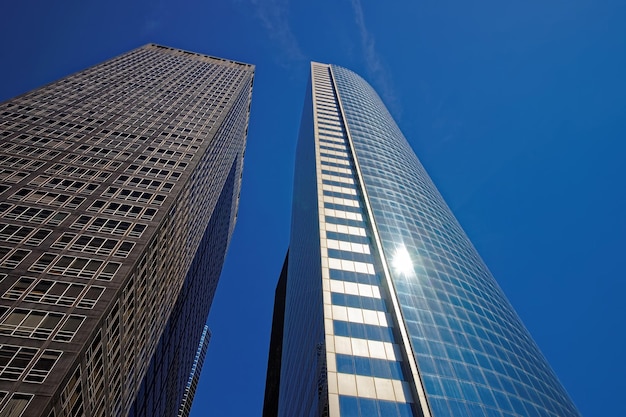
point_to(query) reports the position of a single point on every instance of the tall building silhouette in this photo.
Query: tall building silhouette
(386, 309)
(118, 197)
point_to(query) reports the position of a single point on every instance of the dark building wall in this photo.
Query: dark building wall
(302, 354)
(272, 381)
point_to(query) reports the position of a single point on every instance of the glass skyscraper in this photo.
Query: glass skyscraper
(385, 308)
(119, 191)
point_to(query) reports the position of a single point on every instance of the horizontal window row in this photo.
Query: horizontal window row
(56, 183)
(363, 331)
(106, 225)
(145, 183)
(153, 172)
(355, 277)
(134, 195)
(350, 256)
(169, 153)
(40, 325)
(102, 152)
(32, 214)
(48, 291)
(11, 257)
(345, 222)
(337, 194)
(344, 184)
(334, 156)
(337, 137)
(349, 202)
(356, 301)
(16, 405)
(22, 234)
(339, 172)
(343, 237)
(75, 266)
(359, 315)
(91, 161)
(332, 146)
(7, 161)
(379, 368)
(12, 176)
(77, 172)
(162, 162)
(343, 207)
(349, 247)
(331, 162)
(350, 215)
(359, 406)
(47, 198)
(93, 244)
(14, 360)
(33, 151)
(41, 141)
(124, 210)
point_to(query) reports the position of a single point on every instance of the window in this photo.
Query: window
(43, 366)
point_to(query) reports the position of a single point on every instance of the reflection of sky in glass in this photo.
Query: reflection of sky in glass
(474, 354)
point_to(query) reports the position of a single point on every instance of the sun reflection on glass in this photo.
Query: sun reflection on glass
(402, 262)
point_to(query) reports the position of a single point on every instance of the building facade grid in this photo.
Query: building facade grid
(109, 178)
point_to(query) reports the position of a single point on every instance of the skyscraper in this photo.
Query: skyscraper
(388, 308)
(119, 194)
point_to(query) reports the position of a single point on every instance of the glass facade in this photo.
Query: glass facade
(414, 323)
(119, 189)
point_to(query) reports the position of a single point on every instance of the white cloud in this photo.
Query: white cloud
(274, 17)
(374, 65)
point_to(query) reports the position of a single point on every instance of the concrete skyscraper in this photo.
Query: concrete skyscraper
(118, 197)
(384, 307)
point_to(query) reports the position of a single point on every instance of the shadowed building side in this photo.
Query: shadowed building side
(272, 381)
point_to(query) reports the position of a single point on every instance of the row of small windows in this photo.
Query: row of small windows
(124, 210)
(64, 184)
(134, 195)
(24, 150)
(12, 176)
(165, 163)
(148, 184)
(338, 194)
(47, 198)
(363, 331)
(91, 161)
(93, 244)
(153, 172)
(75, 266)
(15, 360)
(11, 257)
(43, 141)
(350, 300)
(103, 152)
(22, 234)
(32, 214)
(49, 291)
(15, 405)
(40, 325)
(7, 161)
(77, 172)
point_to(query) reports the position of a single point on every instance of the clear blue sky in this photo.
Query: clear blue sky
(516, 108)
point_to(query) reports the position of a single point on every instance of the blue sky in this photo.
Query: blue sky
(516, 109)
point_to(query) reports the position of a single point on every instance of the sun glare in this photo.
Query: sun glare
(402, 262)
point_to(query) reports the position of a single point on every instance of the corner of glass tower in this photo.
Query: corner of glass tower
(388, 308)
